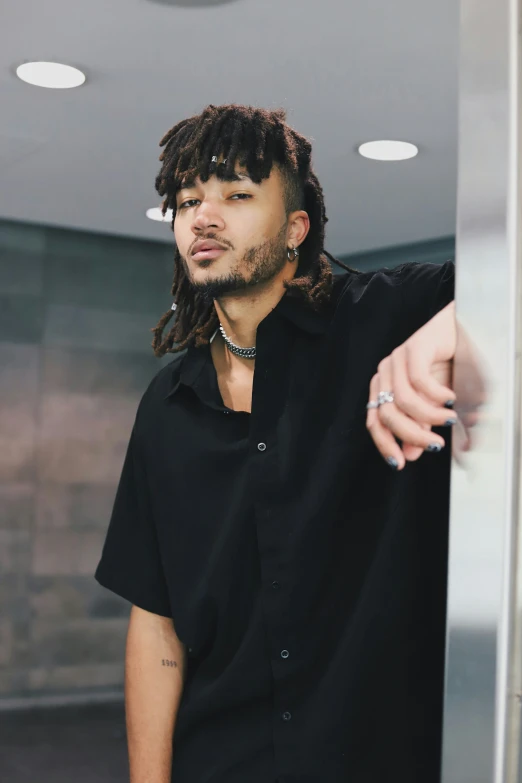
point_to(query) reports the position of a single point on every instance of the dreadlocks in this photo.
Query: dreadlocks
(258, 139)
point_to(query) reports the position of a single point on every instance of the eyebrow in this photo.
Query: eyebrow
(234, 177)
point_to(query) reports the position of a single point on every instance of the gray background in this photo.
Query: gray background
(75, 356)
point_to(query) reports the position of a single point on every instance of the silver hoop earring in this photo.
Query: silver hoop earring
(295, 255)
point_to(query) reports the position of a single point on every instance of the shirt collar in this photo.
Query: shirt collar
(301, 314)
(187, 370)
(290, 308)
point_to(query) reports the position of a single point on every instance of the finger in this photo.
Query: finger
(403, 427)
(470, 419)
(412, 453)
(461, 440)
(419, 372)
(382, 437)
(415, 403)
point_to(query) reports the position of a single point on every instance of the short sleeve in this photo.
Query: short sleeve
(130, 563)
(426, 289)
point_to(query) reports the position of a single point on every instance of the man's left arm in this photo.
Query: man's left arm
(417, 376)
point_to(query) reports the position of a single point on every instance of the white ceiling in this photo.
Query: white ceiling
(348, 71)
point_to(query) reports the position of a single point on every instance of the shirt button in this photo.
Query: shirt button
(261, 446)
(276, 585)
(286, 715)
(285, 654)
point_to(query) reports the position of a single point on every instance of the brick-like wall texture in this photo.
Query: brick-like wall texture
(75, 357)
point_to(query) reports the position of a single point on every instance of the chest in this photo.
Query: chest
(236, 390)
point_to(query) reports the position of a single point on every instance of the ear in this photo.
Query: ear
(298, 228)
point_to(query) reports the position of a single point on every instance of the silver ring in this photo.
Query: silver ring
(372, 404)
(384, 397)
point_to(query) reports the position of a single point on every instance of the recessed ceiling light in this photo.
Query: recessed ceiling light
(155, 214)
(193, 3)
(388, 150)
(54, 75)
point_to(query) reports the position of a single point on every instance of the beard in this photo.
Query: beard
(260, 264)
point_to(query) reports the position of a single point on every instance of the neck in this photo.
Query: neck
(240, 317)
(240, 314)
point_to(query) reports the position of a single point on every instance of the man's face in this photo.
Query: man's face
(247, 221)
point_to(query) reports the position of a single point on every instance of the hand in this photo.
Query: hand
(471, 382)
(419, 372)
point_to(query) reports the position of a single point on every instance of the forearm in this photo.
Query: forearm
(154, 671)
(446, 321)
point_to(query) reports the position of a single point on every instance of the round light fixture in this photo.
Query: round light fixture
(155, 213)
(388, 150)
(54, 75)
(193, 3)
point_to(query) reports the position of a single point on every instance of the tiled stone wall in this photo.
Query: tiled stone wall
(75, 357)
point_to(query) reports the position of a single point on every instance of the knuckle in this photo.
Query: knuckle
(409, 350)
(416, 377)
(405, 402)
(400, 400)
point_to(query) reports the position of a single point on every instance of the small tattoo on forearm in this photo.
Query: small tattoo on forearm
(166, 662)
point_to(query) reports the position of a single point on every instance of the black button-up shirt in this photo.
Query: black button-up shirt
(306, 578)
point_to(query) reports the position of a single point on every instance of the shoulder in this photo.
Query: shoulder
(398, 300)
(417, 279)
(410, 273)
(426, 274)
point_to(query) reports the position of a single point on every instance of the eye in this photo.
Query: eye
(191, 201)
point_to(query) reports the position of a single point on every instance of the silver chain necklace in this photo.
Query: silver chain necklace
(246, 353)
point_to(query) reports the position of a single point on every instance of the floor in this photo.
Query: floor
(64, 745)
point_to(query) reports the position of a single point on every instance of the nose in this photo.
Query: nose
(207, 216)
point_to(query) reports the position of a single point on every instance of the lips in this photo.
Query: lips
(207, 249)
(203, 245)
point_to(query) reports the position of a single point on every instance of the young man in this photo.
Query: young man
(287, 582)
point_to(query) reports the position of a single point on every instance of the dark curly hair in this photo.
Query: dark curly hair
(258, 139)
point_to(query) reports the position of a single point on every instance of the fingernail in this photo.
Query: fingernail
(392, 462)
(449, 404)
(434, 447)
(450, 422)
